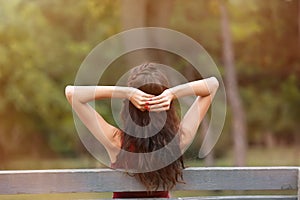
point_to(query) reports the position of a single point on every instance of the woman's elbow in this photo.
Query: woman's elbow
(213, 84)
(69, 91)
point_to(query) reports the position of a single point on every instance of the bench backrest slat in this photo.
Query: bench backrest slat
(299, 183)
(106, 180)
(259, 178)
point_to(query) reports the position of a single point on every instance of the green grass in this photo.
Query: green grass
(278, 156)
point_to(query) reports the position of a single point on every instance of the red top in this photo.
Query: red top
(142, 194)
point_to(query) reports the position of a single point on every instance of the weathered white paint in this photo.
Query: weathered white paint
(107, 180)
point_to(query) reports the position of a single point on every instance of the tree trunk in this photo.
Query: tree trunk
(238, 114)
(145, 13)
(133, 15)
(298, 26)
(159, 14)
(269, 139)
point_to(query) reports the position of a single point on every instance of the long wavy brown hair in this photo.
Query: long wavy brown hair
(148, 78)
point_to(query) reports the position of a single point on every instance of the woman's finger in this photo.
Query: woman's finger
(161, 105)
(158, 101)
(157, 97)
(148, 95)
(159, 109)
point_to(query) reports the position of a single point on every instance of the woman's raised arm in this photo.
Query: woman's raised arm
(201, 88)
(205, 89)
(79, 96)
(85, 94)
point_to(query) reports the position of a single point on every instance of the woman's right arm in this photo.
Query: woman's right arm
(80, 96)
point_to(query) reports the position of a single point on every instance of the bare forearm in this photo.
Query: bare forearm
(86, 94)
(202, 88)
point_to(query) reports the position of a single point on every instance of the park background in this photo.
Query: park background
(255, 44)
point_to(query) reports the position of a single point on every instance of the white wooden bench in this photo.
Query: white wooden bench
(197, 178)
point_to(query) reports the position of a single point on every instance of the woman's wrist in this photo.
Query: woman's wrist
(128, 92)
(117, 91)
(172, 93)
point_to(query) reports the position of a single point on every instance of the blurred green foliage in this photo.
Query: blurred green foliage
(42, 44)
